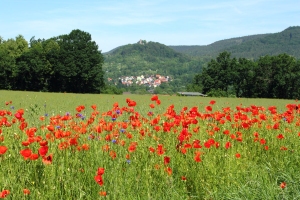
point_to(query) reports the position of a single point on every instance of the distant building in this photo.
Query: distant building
(191, 94)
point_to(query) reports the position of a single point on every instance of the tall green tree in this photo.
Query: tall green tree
(219, 74)
(10, 50)
(79, 66)
(37, 65)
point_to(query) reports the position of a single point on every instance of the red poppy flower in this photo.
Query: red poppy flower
(102, 193)
(154, 98)
(85, 147)
(47, 160)
(158, 102)
(94, 107)
(152, 105)
(34, 156)
(237, 155)
(99, 179)
(212, 102)
(132, 148)
(208, 108)
(50, 128)
(280, 136)
(43, 150)
(266, 148)
(262, 141)
(3, 149)
(160, 150)
(169, 171)
(151, 149)
(197, 156)
(283, 185)
(227, 145)
(113, 154)
(4, 193)
(80, 108)
(26, 153)
(19, 114)
(26, 191)
(167, 160)
(100, 171)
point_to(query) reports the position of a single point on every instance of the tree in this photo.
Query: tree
(219, 74)
(79, 65)
(10, 50)
(36, 65)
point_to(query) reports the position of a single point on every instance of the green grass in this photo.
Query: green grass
(257, 174)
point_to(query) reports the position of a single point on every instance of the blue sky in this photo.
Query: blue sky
(113, 23)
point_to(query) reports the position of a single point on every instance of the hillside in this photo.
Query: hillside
(150, 59)
(251, 47)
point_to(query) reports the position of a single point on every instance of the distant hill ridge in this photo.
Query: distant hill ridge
(251, 47)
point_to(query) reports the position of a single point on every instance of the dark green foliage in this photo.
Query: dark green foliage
(268, 77)
(10, 50)
(67, 63)
(250, 47)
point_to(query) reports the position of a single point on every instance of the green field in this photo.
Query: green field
(240, 149)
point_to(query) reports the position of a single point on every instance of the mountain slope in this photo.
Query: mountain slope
(252, 47)
(150, 58)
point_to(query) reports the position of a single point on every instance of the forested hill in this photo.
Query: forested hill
(150, 58)
(251, 47)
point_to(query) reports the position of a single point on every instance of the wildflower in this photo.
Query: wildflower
(151, 149)
(102, 193)
(85, 147)
(113, 154)
(154, 98)
(227, 145)
(26, 191)
(169, 171)
(26, 153)
(183, 178)
(99, 180)
(283, 185)
(283, 148)
(100, 171)
(167, 160)
(237, 155)
(197, 156)
(208, 108)
(47, 160)
(3, 149)
(160, 150)
(4, 193)
(34, 156)
(280, 136)
(266, 148)
(212, 102)
(128, 161)
(43, 150)
(262, 141)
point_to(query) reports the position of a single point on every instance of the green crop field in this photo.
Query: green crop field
(84, 146)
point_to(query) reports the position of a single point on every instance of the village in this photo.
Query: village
(147, 80)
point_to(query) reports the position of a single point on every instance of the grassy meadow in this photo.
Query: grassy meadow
(87, 146)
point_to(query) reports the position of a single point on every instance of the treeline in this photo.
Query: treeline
(268, 77)
(67, 63)
(251, 47)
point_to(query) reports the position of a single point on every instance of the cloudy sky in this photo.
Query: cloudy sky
(113, 23)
